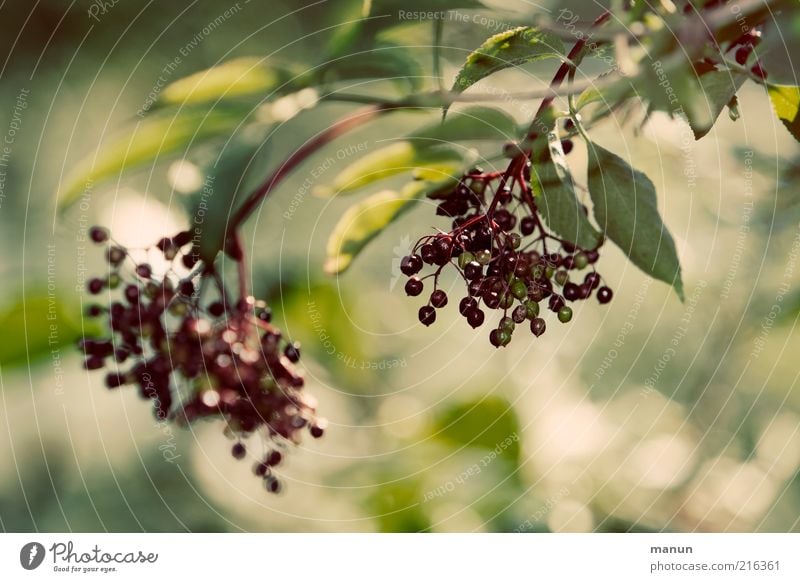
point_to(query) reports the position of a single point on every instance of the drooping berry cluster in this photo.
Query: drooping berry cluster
(199, 359)
(507, 258)
(741, 48)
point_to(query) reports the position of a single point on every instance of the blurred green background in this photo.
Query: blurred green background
(646, 414)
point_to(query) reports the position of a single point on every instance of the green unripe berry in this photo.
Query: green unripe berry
(507, 300)
(507, 325)
(549, 271)
(580, 260)
(465, 258)
(519, 289)
(483, 257)
(562, 277)
(564, 314)
(514, 240)
(532, 308)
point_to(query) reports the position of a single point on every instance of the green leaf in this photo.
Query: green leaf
(219, 196)
(470, 123)
(681, 92)
(382, 62)
(237, 77)
(363, 221)
(786, 102)
(423, 151)
(152, 140)
(40, 325)
(507, 49)
(490, 423)
(389, 161)
(717, 88)
(551, 182)
(626, 208)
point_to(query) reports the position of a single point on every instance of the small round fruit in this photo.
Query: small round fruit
(604, 295)
(427, 315)
(475, 318)
(411, 265)
(238, 451)
(538, 326)
(438, 298)
(414, 287)
(565, 314)
(98, 234)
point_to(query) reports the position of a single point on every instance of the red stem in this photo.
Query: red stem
(339, 128)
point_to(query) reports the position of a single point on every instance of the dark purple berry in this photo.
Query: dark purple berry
(238, 451)
(94, 286)
(571, 292)
(527, 225)
(414, 287)
(556, 302)
(475, 318)
(274, 458)
(411, 265)
(216, 309)
(186, 288)
(98, 234)
(473, 270)
(428, 253)
(538, 326)
(115, 256)
(466, 305)
(427, 315)
(593, 280)
(144, 271)
(438, 298)
(93, 362)
(292, 352)
(604, 295)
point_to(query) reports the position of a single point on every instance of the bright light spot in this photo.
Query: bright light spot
(660, 462)
(402, 416)
(286, 107)
(307, 98)
(210, 398)
(184, 177)
(778, 448)
(570, 516)
(136, 222)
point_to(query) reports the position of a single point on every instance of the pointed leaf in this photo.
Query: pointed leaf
(717, 88)
(152, 140)
(786, 102)
(389, 161)
(626, 208)
(511, 48)
(470, 123)
(363, 221)
(382, 62)
(234, 78)
(218, 198)
(556, 199)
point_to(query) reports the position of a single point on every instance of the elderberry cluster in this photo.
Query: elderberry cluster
(507, 258)
(199, 359)
(741, 48)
